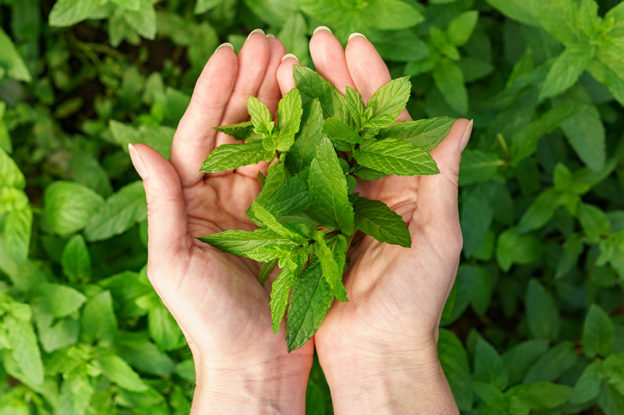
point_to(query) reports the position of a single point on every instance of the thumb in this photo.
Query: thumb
(438, 193)
(166, 211)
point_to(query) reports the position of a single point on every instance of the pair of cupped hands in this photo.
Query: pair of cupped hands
(377, 350)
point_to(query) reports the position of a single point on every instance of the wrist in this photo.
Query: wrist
(277, 386)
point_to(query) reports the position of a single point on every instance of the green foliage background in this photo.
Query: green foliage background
(535, 322)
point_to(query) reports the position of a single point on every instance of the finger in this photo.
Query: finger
(269, 93)
(329, 58)
(194, 137)
(437, 194)
(252, 64)
(166, 209)
(368, 70)
(285, 77)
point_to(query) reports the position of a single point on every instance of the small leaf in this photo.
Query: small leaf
(598, 333)
(70, 12)
(240, 131)
(426, 133)
(542, 313)
(23, 343)
(355, 105)
(567, 69)
(587, 386)
(450, 81)
(309, 136)
(281, 289)
(266, 270)
(58, 300)
(260, 116)
(488, 365)
(261, 245)
(382, 223)
(331, 269)
(69, 206)
(460, 28)
(232, 156)
(342, 135)
(394, 156)
(10, 174)
(540, 395)
(262, 217)
(387, 102)
(552, 364)
(119, 372)
(312, 85)
(289, 112)
(76, 260)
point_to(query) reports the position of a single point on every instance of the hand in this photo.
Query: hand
(215, 297)
(384, 338)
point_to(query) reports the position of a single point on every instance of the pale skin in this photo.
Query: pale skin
(378, 350)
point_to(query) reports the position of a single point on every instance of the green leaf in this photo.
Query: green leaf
(98, 320)
(460, 28)
(598, 333)
(382, 223)
(76, 260)
(332, 271)
(292, 197)
(266, 270)
(58, 300)
(426, 133)
(616, 16)
(610, 400)
(387, 102)
(136, 349)
(11, 62)
(119, 372)
(513, 248)
(342, 135)
(476, 217)
(17, 229)
(289, 112)
(240, 131)
(567, 69)
(203, 6)
(260, 116)
(608, 68)
(261, 245)
(540, 395)
(69, 206)
(310, 301)
(10, 174)
(572, 249)
(392, 14)
(541, 312)
(355, 105)
(70, 12)
(478, 166)
(231, 156)
(565, 20)
(521, 357)
(281, 289)
(262, 217)
(164, 329)
(519, 10)
(540, 211)
(24, 349)
(157, 137)
(274, 181)
(488, 365)
(307, 139)
(143, 20)
(394, 156)
(120, 212)
(587, 386)
(454, 361)
(594, 221)
(311, 85)
(399, 45)
(328, 189)
(450, 82)
(552, 364)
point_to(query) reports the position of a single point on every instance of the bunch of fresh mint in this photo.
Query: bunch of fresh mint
(307, 211)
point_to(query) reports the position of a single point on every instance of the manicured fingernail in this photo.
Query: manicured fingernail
(466, 136)
(356, 34)
(289, 56)
(225, 45)
(270, 36)
(256, 31)
(137, 161)
(320, 29)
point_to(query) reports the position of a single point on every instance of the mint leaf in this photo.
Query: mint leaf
(24, 348)
(520, 10)
(328, 189)
(426, 133)
(594, 221)
(266, 270)
(540, 395)
(289, 112)
(450, 81)
(69, 12)
(616, 16)
(460, 28)
(312, 85)
(394, 156)
(119, 372)
(342, 135)
(598, 333)
(553, 363)
(541, 311)
(260, 116)
(488, 365)
(307, 139)
(281, 289)
(392, 14)
(588, 384)
(76, 260)
(69, 206)
(567, 69)
(355, 106)
(262, 217)
(382, 223)
(365, 173)
(519, 358)
(560, 18)
(11, 62)
(261, 245)
(332, 271)
(231, 156)
(290, 198)
(387, 102)
(240, 131)
(310, 301)
(274, 180)
(10, 174)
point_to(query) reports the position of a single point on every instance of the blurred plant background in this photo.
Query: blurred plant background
(535, 322)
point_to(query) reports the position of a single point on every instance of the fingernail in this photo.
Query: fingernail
(225, 45)
(466, 136)
(270, 36)
(320, 29)
(288, 56)
(356, 34)
(137, 161)
(256, 31)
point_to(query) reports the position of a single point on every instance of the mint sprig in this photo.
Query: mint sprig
(307, 211)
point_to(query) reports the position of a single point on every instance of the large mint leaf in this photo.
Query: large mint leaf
(382, 223)
(313, 85)
(119, 372)
(387, 102)
(260, 116)
(275, 179)
(289, 112)
(69, 206)
(23, 343)
(310, 301)
(394, 156)
(332, 271)
(69, 12)
(567, 69)
(231, 156)
(328, 189)
(261, 245)
(240, 131)
(426, 133)
(307, 139)
(450, 81)
(290, 198)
